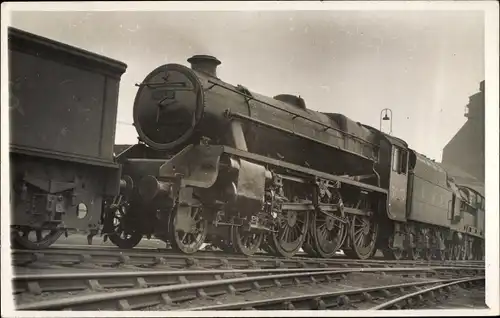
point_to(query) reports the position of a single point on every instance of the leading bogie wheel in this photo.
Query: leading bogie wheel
(124, 235)
(245, 241)
(189, 242)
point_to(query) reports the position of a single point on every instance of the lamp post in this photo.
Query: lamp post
(386, 118)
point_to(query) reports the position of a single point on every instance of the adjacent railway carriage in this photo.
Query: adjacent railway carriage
(63, 105)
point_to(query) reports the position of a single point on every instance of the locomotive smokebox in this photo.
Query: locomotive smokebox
(205, 63)
(169, 104)
(150, 187)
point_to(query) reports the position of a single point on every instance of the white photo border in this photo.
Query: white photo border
(491, 18)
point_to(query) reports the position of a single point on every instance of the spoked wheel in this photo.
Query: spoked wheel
(124, 234)
(440, 255)
(327, 234)
(290, 232)
(393, 253)
(326, 231)
(457, 252)
(449, 251)
(28, 238)
(427, 254)
(363, 233)
(244, 241)
(477, 252)
(414, 254)
(463, 254)
(190, 241)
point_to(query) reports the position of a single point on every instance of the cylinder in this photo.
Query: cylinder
(150, 188)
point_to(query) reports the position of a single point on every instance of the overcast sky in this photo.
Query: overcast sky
(422, 64)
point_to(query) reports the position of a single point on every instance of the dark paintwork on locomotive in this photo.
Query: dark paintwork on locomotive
(63, 107)
(199, 104)
(393, 180)
(280, 132)
(430, 196)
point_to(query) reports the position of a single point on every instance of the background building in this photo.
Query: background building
(465, 151)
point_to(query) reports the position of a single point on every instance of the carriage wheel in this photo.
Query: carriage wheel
(457, 252)
(393, 253)
(414, 254)
(290, 232)
(28, 238)
(327, 234)
(427, 254)
(463, 252)
(123, 235)
(191, 241)
(363, 233)
(245, 241)
(477, 250)
(440, 255)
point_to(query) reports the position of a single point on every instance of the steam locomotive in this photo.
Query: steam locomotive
(221, 164)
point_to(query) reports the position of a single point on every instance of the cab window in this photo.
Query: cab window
(399, 160)
(395, 159)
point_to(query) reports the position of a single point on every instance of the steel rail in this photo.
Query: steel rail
(324, 300)
(146, 297)
(55, 282)
(300, 255)
(158, 258)
(407, 300)
(50, 282)
(202, 253)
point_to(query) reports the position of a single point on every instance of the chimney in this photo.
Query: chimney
(204, 63)
(292, 100)
(481, 86)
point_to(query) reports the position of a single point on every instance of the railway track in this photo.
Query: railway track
(149, 289)
(396, 296)
(165, 259)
